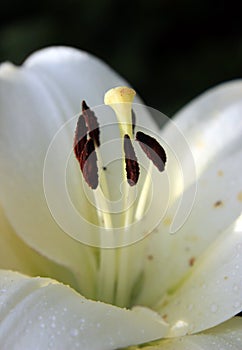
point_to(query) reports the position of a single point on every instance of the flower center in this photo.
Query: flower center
(87, 151)
(136, 160)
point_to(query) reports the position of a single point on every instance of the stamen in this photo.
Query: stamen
(154, 151)
(91, 122)
(88, 163)
(132, 166)
(133, 121)
(80, 137)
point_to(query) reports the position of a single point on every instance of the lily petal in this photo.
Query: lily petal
(16, 255)
(73, 75)
(218, 204)
(225, 336)
(211, 124)
(219, 192)
(212, 291)
(40, 313)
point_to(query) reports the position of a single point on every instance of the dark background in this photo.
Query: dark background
(169, 50)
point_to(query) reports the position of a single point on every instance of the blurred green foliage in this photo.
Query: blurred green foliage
(169, 50)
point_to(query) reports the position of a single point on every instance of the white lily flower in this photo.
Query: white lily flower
(173, 291)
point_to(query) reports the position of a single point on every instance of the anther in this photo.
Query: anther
(154, 151)
(132, 166)
(133, 121)
(91, 123)
(84, 150)
(80, 138)
(88, 164)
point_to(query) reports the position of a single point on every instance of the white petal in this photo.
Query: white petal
(39, 313)
(76, 74)
(16, 255)
(218, 199)
(223, 337)
(211, 124)
(218, 204)
(212, 292)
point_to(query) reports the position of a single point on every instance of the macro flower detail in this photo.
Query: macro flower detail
(143, 224)
(85, 148)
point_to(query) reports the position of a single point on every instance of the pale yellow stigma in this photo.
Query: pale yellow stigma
(120, 100)
(121, 94)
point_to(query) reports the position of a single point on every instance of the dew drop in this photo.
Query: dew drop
(214, 308)
(235, 288)
(74, 332)
(42, 325)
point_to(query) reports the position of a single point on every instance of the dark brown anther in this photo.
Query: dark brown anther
(132, 166)
(133, 121)
(154, 151)
(91, 122)
(88, 164)
(80, 137)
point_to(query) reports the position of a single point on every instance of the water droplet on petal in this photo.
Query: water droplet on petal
(214, 308)
(74, 332)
